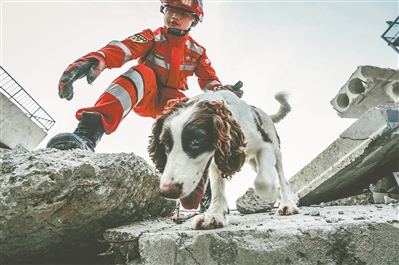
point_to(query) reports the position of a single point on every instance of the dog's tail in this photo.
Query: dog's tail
(284, 109)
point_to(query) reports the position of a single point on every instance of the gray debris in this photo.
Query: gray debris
(250, 202)
(55, 203)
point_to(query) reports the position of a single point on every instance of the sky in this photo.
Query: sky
(307, 48)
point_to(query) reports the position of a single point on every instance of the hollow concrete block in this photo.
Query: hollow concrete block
(367, 87)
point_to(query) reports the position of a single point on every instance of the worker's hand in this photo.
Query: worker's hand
(236, 89)
(90, 65)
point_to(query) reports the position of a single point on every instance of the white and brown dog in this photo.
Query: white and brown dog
(217, 132)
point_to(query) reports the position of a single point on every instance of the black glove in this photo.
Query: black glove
(90, 65)
(236, 88)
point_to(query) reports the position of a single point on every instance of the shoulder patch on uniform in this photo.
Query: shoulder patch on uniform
(139, 38)
(143, 36)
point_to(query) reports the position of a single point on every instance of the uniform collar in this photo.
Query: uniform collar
(174, 38)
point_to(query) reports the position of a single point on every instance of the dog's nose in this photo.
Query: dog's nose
(171, 191)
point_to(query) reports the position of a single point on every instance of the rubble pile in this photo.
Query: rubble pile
(57, 204)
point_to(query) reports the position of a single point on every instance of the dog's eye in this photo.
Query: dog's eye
(195, 143)
(167, 146)
(196, 140)
(166, 140)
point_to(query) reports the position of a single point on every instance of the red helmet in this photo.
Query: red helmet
(191, 6)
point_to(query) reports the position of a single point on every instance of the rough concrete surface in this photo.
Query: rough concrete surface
(250, 202)
(349, 164)
(56, 204)
(367, 87)
(367, 234)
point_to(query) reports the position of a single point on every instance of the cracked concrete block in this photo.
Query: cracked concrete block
(56, 204)
(370, 142)
(367, 87)
(362, 234)
(250, 202)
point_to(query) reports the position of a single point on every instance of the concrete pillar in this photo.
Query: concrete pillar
(17, 128)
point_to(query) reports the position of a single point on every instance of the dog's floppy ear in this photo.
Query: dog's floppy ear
(156, 148)
(229, 141)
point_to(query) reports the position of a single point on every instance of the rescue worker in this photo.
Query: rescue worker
(166, 57)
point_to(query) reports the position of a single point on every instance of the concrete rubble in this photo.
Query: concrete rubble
(357, 169)
(366, 234)
(369, 147)
(367, 87)
(57, 204)
(250, 202)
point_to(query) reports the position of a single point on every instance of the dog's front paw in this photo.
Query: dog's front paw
(287, 208)
(210, 221)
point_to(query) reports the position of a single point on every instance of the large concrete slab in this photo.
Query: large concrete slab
(17, 128)
(55, 204)
(318, 235)
(369, 143)
(367, 87)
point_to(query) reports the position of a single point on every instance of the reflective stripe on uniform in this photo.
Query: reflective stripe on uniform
(158, 61)
(100, 52)
(160, 37)
(188, 67)
(136, 78)
(194, 47)
(124, 48)
(166, 65)
(122, 95)
(209, 85)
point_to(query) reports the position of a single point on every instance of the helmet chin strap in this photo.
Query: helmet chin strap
(178, 32)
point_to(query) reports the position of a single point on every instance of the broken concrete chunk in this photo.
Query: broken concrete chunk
(379, 197)
(348, 165)
(367, 87)
(361, 199)
(294, 239)
(384, 184)
(56, 204)
(388, 200)
(250, 202)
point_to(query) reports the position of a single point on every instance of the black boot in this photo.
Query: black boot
(86, 136)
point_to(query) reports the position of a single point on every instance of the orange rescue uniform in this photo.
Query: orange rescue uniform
(165, 62)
